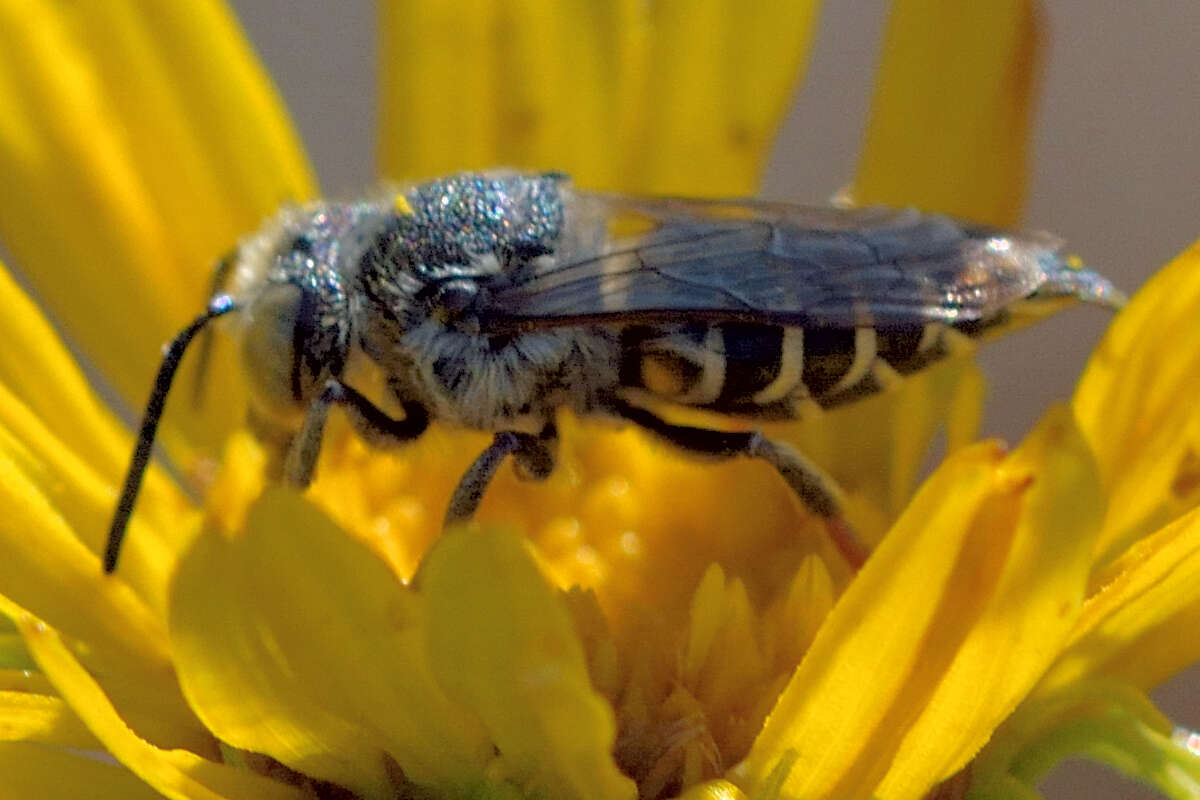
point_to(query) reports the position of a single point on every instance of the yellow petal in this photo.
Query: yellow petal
(720, 76)
(623, 95)
(40, 372)
(31, 770)
(1136, 405)
(175, 773)
(24, 680)
(947, 627)
(505, 61)
(243, 138)
(949, 125)
(793, 621)
(85, 500)
(1131, 626)
(723, 663)
(136, 145)
(877, 448)
(965, 409)
(503, 645)
(46, 570)
(706, 618)
(713, 790)
(1029, 613)
(865, 675)
(43, 718)
(436, 61)
(292, 639)
(71, 447)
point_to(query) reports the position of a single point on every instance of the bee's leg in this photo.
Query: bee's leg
(372, 424)
(535, 459)
(534, 456)
(814, 488)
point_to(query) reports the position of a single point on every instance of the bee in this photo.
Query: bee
(492, 300)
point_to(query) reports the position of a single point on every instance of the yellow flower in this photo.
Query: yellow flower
(639, 625)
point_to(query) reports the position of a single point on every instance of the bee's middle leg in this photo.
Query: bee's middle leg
(374, 425)
(534, 456)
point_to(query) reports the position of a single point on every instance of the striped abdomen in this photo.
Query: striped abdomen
(771, 371)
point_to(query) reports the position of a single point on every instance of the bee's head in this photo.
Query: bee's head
(450, 241)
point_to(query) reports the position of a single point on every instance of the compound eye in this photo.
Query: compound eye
(275, 343)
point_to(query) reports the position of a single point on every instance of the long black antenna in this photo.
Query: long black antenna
(220, 305)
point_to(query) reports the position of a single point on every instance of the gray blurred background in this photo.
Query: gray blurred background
(1116, 170)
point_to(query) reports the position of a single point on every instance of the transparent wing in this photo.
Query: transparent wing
(629, 259)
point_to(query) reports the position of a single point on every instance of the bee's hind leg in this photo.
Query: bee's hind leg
(812, 486)
(374, 425)
(534, 457)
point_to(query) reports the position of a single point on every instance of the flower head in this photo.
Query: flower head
(638, 626)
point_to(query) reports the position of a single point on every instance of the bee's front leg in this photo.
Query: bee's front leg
(534, 456)
(375, 426)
